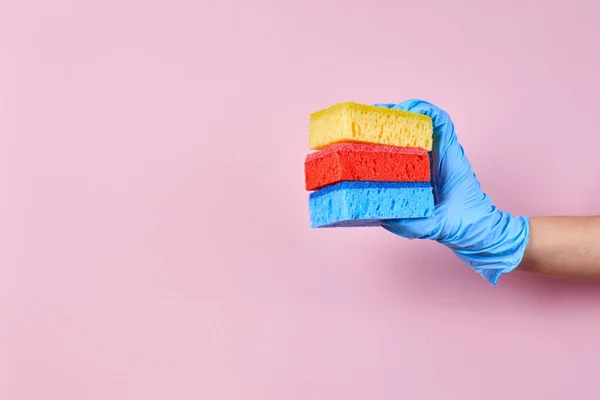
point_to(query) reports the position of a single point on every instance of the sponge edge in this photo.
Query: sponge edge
(367, 203)
(360, 123)
(365, 162)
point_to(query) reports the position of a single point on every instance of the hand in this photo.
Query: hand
(490, 241)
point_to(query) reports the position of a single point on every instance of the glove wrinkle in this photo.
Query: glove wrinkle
(465, 220)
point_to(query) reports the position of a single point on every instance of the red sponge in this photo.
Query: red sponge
(365, 162)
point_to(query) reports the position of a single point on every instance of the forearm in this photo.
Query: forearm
(564, 246)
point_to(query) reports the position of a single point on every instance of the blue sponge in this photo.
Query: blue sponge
(366, 203)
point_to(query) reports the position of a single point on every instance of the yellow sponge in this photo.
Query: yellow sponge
(360, 123)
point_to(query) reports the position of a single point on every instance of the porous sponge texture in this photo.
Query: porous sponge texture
(365, 162)
(360, 123)
(362, 203)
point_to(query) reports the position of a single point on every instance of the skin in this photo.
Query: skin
(566, 247)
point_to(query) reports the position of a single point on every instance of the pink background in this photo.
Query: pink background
(154, 239)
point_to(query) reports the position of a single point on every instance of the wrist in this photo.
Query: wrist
(493, 245)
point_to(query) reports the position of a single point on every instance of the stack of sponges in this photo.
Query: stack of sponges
(371, 163)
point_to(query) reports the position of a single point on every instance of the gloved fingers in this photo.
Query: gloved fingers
(414, 228)
(385, 105)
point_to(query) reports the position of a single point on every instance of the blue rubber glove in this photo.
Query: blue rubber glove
(490, 241)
